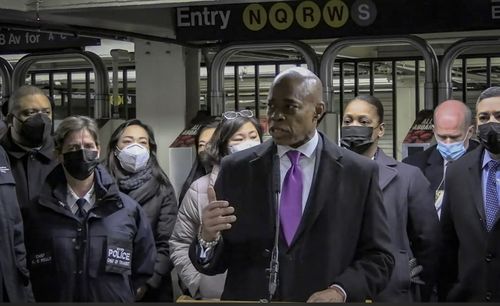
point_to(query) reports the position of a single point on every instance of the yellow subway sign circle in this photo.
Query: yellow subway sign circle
(335, 13)
(281, 16)
(308, 14)
(254, 17)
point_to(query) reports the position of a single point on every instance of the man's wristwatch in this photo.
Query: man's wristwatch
(208, 244)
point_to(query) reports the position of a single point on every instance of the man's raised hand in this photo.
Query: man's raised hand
(216, 217)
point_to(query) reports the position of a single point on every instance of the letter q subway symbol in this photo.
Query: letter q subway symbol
(255, 16)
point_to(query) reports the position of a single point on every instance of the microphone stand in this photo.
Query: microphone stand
(274, 264)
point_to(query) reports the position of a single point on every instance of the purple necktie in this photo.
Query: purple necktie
(291, 197)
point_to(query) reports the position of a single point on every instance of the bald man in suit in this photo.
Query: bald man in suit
(334, 242)
(453, 129)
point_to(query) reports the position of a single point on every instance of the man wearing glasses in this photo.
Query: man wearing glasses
(28, 141)
(333, 243)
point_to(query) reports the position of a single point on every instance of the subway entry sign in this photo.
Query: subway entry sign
(18, 41)
(317, 19)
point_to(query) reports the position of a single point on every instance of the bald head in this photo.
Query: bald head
(452, 121)
(306, 83)
(294, 106)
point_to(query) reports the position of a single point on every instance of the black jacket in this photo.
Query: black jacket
(102, 259)
(14, 276)
(470, 262)
(343, 237)
(30, 168)
(160, 205)
(431, 163)
(414, 228)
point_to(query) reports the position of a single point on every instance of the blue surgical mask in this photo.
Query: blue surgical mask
(452, 151)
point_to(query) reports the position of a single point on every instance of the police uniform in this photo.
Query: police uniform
(103, 257)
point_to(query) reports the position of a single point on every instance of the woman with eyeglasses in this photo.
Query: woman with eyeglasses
(132, 161)
(236, 132)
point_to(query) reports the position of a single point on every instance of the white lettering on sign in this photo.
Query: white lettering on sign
(495, 12)
(53, 36)
(32, 38)
(188, 18)
(119, 253)
(495, 9)
(16, 39)
(364, 12)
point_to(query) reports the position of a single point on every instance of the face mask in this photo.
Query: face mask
(34, 130)
(357, 138)
(452, 151)
(133, 157)
(80, 164)
(243, 145)
(489, 136)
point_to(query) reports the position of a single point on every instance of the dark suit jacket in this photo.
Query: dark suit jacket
(414, 228)
(343, 237)
(470, 258)
(14, 276)
(29, 168)
(431, 163)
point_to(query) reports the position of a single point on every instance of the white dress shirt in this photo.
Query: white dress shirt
(72, 197)
(307, 162)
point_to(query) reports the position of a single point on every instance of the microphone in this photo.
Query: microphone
(274, 264)
(276, 175)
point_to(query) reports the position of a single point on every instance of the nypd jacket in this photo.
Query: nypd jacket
(103, 258)
(13, 272)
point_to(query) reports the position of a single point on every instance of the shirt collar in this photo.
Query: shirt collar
(486, 159)
(307, 149)
(74, 197)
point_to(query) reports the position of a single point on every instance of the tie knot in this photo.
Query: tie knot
(293, 156)
(80, 202)
(493, 165)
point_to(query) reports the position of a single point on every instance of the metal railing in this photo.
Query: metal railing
(102, 109)
(452, 52)
(6, 74)
(218, 63)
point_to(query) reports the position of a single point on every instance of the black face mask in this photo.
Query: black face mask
(489, 136)
(357, 138)
(34, 130)
(80, 164)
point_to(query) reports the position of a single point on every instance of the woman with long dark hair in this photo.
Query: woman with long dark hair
(199, 168)
(133, 162)
(237, 131)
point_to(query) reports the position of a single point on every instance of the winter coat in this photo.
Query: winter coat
(103, 258)
(160, 205)
(185, 231)
(14, 276)
(29, 168)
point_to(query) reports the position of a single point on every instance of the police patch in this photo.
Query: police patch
(118, 256)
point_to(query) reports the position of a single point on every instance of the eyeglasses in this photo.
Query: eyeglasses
(233, 115)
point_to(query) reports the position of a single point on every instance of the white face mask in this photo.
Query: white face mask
(243, 145)
(133, 157)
